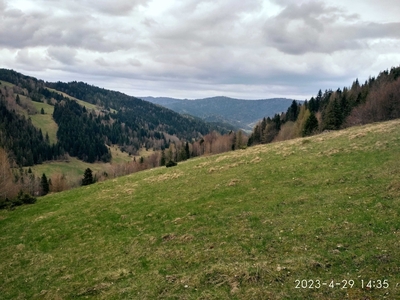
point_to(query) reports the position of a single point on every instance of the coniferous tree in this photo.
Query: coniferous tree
(292, 112)
(162, 161)
(44, 185)
(332, 116)
(87, 177)
(311, 125)
(187, 150)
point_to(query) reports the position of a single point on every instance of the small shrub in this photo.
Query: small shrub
(5, 203)
(22, 198)
(171, 164)
(26, 198)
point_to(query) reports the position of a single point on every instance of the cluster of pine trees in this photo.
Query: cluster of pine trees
(79, 134)
(378, 99)
(25, 141)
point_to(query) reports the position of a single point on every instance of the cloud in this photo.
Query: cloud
(115, 7)
(314, 27)
(31, 59)
(67, 27)
(64, 55)
(194, 47)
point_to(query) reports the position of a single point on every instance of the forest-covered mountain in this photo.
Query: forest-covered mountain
(84, 130)
(378, 99)
(243, 114)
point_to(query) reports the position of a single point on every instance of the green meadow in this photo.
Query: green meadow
(45, 121)
(312, 218)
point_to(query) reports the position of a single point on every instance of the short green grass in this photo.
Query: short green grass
(7, 84)
(74, 168)
(239, 225)
(45, 121)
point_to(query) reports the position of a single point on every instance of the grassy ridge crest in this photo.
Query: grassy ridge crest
(239, 225)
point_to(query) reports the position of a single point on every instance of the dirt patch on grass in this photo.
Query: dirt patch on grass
(45, 216)
(186, 238)
(394, 188)
(168, 237)
(233, 182)
(94, 290)
(202, 165)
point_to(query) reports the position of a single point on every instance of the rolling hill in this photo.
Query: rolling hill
(310, 218)
(240, 113)
(81, 119)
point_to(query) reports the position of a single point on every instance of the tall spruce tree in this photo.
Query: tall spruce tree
(87, 177)
(311, 125)
(44, 185)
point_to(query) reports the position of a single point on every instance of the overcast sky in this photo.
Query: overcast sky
(193, 49)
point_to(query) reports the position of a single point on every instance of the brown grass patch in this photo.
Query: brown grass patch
(255, 160)
(233, 182)
(221, 158)
(163, 177)
(186, 238)
(202, 165)
(168, 237)
(357, 135)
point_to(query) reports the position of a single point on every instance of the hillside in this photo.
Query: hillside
(248, 224)
(377, 100)
(82, 120)
(237, 112)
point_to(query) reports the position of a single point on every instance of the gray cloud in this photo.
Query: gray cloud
(72, 28)
(104, 7)
(115, 7)
(63, 54)
(316, 27)
(248, 49)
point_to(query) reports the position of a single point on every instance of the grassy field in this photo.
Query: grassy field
(7, 84)
(74, 168)
(320, 212)
(45, 122)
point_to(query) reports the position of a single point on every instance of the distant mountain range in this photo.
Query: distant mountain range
(240, 113)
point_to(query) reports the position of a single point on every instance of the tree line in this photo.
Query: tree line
(378, 99)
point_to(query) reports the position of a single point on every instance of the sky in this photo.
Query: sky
(195, 49)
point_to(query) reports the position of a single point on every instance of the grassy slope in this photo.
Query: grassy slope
(5, 83)
(74, 168)
(241, 225)
(45, 121)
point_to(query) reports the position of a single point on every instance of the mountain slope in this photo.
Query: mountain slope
(258, 223)
(93, 117)
(240, 113)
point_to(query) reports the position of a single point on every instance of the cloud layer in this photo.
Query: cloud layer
(249, 49)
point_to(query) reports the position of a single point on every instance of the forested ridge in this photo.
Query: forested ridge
(26, 142)
(378, 99)
(118, 119)
(135, 112)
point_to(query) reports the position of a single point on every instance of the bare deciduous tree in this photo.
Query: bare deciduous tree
(7, 186)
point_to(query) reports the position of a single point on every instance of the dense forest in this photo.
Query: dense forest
(138, 114)
(378, 99)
